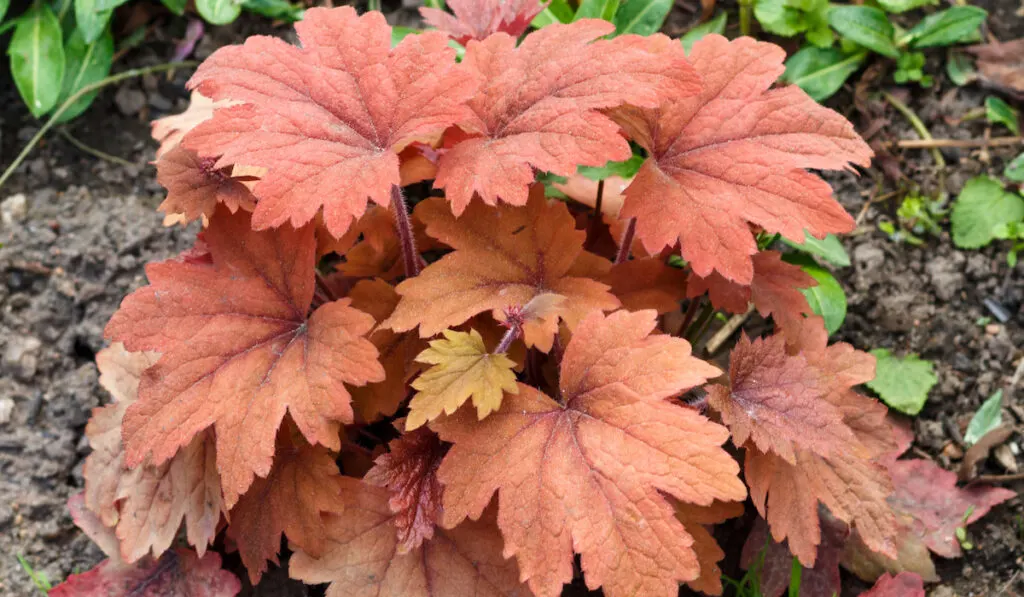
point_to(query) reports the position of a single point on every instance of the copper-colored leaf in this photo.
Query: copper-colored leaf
(239, 350)
(478, 19)
(538, 107)
(1002, 66)
(303, 483)
(734, 156)
(647, 284)
(90, 524)
(362, 558)
(912, 555)
(586, 474)
(178, 573)
(775, 563)
(409, 471)
(503, 257)
(195, 187)
(904, 584)
(928, 494)
(780, 402)
(696, 520)
(461, 368)
(169, 130)
(327, 120)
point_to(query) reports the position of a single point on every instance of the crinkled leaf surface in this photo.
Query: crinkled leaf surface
(647, 284)
(178, 573)
(146, 504)
(303, 483)
(409, 471)
(239, 349)
(734, 156)
(904, 584)
(362, 557)
(503, 257)
(461, 368)
(326, 120)
(195, 187)
(586, 474)
(538, 108)
(478, 19)
(697, 521)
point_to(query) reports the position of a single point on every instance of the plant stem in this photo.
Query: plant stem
(595, 223)
(627, 242)
(919, 126)
(746, 7)
(730, 327)
(92, 150)
(691, 312)
(956, 143)
(128, 74)
(510, 336)
(696, 330)
(410, 258)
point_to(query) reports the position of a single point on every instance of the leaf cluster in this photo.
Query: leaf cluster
(470, 397)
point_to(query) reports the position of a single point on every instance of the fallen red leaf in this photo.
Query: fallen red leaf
(904, 584)
(178, 573)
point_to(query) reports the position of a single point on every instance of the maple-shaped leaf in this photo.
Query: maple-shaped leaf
(326, 120)
(912, 555)
(461, 368)
(146, 504)
(734, 156)
(303, 483)
(780, 402)
(696, 520)
(239, 349)
(195, 187)
(90, 524)
(479, 19)
(928, 494)
(774, 289)
(538, 108)
(586, 473)
(904, 584)
(363, 558)
(503, 257)
(379, 253)
(409, 471)
(170, 130)
(178, 573)
(647, 284)
(397, 352)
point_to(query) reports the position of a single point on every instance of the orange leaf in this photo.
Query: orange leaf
(147, 503)
(585, 474)
(647, 284)
(169, 130)
(696, 519)
(734, 156)
(239, 351)
(327, 120)
(904, 584)
(178, 573)
(362, 558)
(539, 106)
(479, 19)
(303, 483)
(410, 472)
(195, 187)
(503, 257)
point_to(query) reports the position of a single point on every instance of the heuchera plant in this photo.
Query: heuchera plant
(304, 370)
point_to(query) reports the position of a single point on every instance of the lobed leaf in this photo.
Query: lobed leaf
(479, 19)
(239, 349)
(733, 156)
(904, 584)
(178, 573)
(587, 474)
(195, 187)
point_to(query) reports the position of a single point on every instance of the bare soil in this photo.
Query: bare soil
(77, 231)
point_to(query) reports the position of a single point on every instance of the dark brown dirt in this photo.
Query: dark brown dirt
(89, 226)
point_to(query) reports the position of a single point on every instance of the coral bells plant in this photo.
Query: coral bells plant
(461, 399)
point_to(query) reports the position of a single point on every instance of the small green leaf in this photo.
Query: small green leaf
(219, 12)
(828, 248)
(959, 68)
(827, 299)
(715, 25)
(642, 17)
(904, 383)
(557, 11)
(438, 4)
(109, 4)
(1015, 169)
(398, 33)
(4, 5)
(597, 9)
(37, 58)
(954, 25)
(175, 6)
(999, 112)
(91, 21)
(982, 206)
(778, 17)
(626, 169)
(867, 26)
(821, 72)
(276, 9)
(86, 63)
(988, 417)
(898, 6)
